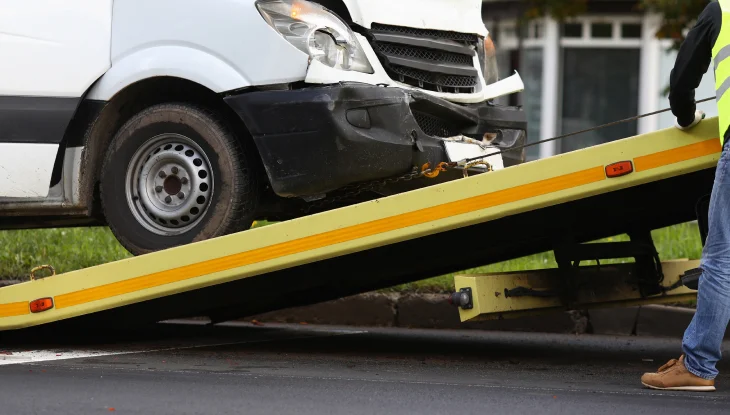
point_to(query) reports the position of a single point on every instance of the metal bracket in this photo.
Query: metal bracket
(647, 267)
(537, 291)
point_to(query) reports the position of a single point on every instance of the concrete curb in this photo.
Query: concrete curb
(406, 310)
(432, 311)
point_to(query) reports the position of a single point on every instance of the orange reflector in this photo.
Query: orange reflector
(41, 304)
(619, 169)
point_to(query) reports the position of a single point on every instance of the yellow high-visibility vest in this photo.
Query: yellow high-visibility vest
(721, 57)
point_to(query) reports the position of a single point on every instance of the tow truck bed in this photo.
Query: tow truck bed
(448, 227)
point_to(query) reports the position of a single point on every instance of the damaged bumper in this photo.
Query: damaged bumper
(316, 140)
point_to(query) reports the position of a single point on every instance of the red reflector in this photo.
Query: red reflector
(619, 169)
(41, 304)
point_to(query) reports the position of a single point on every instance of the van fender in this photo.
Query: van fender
(181, 61)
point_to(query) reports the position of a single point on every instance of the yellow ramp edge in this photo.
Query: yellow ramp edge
(410, 215)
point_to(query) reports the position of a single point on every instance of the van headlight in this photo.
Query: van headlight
(316, 31)
(488, 59)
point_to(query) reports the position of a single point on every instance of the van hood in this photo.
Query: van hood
(463, 16)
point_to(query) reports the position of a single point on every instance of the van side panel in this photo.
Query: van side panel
(51, 52)
(53, 48)
(25, 169)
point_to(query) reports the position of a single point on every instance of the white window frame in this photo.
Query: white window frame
(552, 42)
(615, 42)
(507, 36)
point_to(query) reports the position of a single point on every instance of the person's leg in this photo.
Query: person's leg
(703, 337)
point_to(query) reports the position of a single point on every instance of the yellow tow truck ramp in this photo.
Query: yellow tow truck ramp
(629, 186)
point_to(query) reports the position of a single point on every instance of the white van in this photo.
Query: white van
(174, 121)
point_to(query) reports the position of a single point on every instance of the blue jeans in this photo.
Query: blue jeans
(703, 338)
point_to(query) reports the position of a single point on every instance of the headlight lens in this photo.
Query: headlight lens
(488, 58)
(317, 32)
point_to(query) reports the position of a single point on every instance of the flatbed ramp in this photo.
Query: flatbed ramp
(444, 228)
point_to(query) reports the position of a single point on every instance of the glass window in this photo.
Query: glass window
(573, 30)
(599, 86)
(537, 32)
(631, 31)
(508, 32)
(531, 73)
(601, 30)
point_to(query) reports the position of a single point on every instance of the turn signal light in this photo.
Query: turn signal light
(619, 169)
(41, 304)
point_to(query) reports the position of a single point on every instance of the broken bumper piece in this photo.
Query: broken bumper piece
(316, 140)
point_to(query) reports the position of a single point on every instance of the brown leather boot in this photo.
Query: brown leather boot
(675, 376)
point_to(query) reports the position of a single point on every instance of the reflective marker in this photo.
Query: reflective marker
(41, 304)
(619, 169)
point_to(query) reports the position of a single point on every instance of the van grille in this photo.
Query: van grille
(434, 126)
(425, 54)
(433, 60)
(431, 78)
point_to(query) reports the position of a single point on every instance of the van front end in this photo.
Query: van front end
(390, 86)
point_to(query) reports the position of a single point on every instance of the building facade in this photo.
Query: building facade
(601, 66)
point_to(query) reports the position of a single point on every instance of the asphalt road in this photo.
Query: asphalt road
(299, 369)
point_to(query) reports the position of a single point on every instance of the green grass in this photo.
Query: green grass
(66, 249)
(74, 248)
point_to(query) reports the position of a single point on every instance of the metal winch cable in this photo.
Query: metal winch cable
(560, 137)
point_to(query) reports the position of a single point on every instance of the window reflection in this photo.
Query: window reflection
(599, 86)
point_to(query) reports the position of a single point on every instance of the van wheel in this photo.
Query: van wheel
(176, 174)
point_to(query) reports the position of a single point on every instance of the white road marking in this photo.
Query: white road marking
(19, 356)
(32, 356)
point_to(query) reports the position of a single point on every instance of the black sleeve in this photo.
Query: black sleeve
(693, 59)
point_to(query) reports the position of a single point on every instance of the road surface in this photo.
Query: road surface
(301, 369)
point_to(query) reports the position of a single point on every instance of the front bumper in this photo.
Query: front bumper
(316, 140)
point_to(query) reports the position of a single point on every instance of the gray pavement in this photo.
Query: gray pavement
(303, 369)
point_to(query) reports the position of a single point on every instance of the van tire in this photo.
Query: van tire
(170, 148)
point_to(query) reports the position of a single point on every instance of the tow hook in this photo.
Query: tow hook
(462, 299)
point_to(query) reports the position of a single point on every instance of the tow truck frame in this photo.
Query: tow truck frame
(629, 186)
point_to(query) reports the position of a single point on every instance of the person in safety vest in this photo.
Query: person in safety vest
(695, 369)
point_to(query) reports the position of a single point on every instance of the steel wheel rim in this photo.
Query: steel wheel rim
(169, 184)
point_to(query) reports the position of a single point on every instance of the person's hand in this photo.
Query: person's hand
(699, 116)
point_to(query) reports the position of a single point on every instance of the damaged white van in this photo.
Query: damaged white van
(174, 121)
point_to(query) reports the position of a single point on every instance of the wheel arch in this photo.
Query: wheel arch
(128, 101)
(175, 61)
